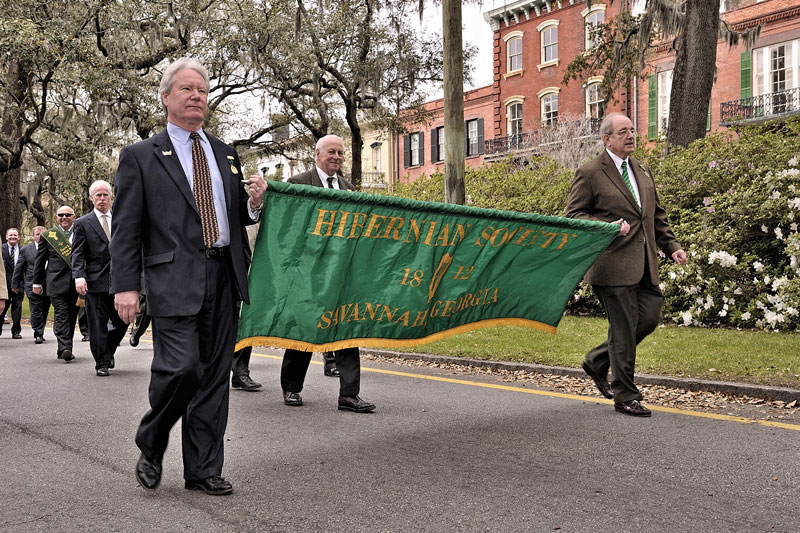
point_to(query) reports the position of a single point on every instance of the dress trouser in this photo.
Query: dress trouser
(192, 358)
(40, 307)
(65, 314)
(14, 302)
(103, 341)
(241, 362)
(634, 311)
(295, 364)
(329, 361)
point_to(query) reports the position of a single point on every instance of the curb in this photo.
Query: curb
(765, 392)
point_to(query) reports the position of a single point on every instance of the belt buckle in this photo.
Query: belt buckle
(210, 252)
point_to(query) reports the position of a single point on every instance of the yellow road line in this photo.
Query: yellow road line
(712, 416)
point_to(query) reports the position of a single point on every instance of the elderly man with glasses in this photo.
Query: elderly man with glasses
(52, 275)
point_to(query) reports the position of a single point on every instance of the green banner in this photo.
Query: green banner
(336, 269)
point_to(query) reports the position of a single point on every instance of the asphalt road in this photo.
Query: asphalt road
(439, 454)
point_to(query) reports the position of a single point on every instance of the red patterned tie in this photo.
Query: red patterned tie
(202, 192)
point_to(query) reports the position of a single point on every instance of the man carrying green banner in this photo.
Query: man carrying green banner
(339, 269)
(329, 156)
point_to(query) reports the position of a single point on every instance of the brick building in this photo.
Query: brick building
(535, 40)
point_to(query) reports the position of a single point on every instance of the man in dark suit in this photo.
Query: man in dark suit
(11, 252)
(329, 155)
(91, 267)
(52, 275)
(616, 188)
(178, 214)
(23, 280)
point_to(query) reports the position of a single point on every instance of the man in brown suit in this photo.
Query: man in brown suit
(616, 188)
(329, 158)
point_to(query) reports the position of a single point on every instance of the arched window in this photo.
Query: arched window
(592, 17)
(548, 98)
(595, 104)
(513, 51)
(548, 30)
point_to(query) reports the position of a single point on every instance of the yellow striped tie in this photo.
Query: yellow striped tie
(203, 196)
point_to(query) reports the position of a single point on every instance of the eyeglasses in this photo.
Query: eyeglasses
(61, 215)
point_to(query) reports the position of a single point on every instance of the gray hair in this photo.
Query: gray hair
(93, 187)
(606, 126)
(168, 77)
(323, 140)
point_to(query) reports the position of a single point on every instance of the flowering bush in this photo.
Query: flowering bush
(735, 206)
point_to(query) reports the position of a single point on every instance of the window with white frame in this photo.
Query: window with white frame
(376, 158)
(514, 122)
(595, 105)
(474, 129)
(548, 35)
(550, 44)
(664, 90)
(514, 54)
(549, 108)
(591, 21)
(416, 149)
(775, 68)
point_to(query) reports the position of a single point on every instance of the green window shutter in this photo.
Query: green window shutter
(652, 108)
(708, 118)
(745, 75)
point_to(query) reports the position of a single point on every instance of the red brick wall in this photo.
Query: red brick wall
(571, 42)
(477, 105)
(781, 19)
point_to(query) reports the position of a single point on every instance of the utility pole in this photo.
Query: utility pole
(453, 103)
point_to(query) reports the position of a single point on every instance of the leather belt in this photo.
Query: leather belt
(214, 252)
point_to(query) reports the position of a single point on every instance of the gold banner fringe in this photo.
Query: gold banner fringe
(376, 342)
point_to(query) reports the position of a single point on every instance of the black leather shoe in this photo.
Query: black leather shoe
(245, 383)
(133, 341)
(85, 338)
(632, 407)
(602, 383)
(16, 336)
(148, 472)
(103, 372)
(39, 340)
(67, 356)
(214, 485)
(292, 398)
(332, 372)
(354, 403)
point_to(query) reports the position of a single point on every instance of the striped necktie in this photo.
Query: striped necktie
(330, 182)
(203, 195)
(627, 181)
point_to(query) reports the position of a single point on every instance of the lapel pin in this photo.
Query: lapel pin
(233, 169)
(166, 152)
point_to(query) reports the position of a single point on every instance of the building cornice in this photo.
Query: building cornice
(515, 11)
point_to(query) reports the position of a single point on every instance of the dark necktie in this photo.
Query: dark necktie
(203, 196)
(627, 181)
(330, 182)
(14, 255)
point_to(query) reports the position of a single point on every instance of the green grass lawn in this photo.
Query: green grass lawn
(718, 354)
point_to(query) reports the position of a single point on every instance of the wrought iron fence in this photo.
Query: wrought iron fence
(763, 105)
(531, 139)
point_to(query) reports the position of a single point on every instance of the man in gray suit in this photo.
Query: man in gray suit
(616, 188)
(23, 280)
(329, 154)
